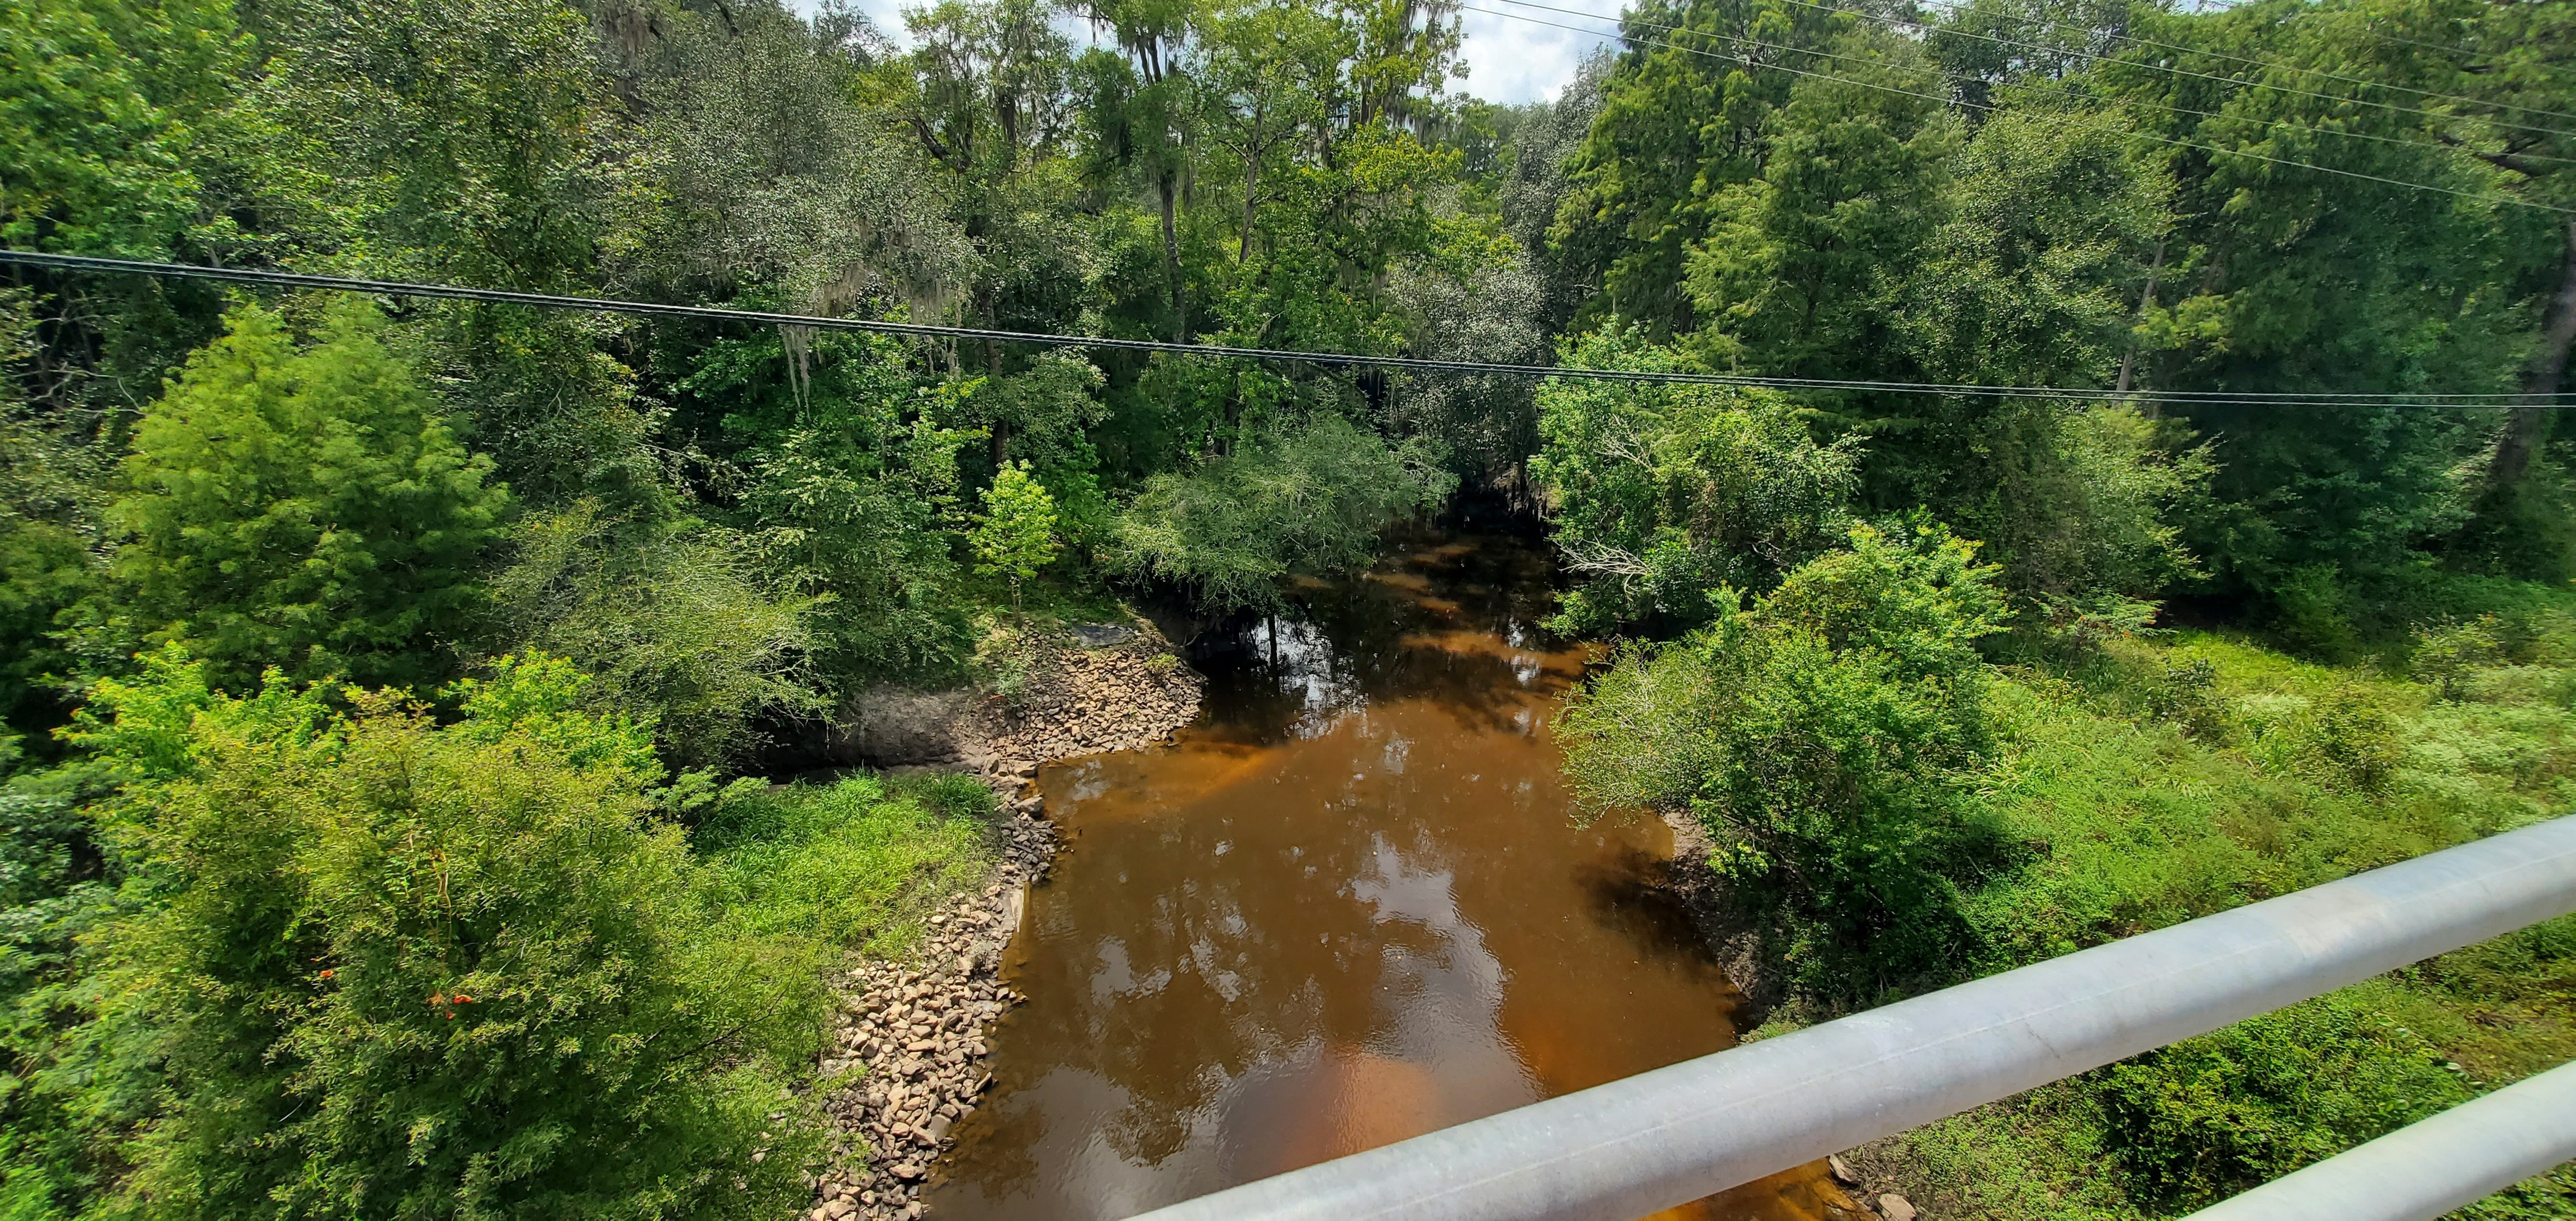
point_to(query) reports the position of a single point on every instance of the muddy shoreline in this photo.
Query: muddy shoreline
(904, 1058)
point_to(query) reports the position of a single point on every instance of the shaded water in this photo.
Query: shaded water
(1347, 907)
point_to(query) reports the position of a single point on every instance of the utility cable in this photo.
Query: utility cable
(650, 309)
(1747, 61)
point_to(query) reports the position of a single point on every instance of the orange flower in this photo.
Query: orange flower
(326, 972)
(462, 999)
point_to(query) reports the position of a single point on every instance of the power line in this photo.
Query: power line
(2061, 88)
(651, 309)
(2489, 196)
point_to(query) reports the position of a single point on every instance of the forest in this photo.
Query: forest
(356, 650)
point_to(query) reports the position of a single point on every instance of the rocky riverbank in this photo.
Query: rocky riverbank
(1080, 690)
(907, 1047)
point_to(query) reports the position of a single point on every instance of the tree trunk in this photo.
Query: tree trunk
(1251, 184)
(2129, 358)
(1001, 438)
(1170, 185)
(2528, 426)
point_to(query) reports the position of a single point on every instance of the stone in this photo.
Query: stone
(887, 726)
(911, 1172)
(1842, 1170)
(938, 1129)
(1895, 1208)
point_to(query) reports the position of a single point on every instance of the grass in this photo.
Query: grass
(2160, 781)
(851, 865)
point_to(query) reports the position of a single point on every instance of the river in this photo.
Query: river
(1346, 907)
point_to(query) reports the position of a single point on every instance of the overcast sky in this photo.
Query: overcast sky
(1507, 60)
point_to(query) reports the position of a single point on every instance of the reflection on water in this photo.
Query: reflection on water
(1347, 908)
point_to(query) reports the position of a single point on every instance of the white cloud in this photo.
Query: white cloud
(1507, 60)
(1520, 61)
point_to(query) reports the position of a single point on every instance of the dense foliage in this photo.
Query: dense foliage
(2165, 780)
(392, 968)
(362, 962)
(1302, 503)
(1825, 732)
(1667, 498)
(301, 508)
(583, 569)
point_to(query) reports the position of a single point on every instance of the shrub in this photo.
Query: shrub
(1003, 656)
(2208, 1117)
(859, 525)
(1663, 494)
(307, 510)
(1307, 501)
(670, 619)
(2447, 654)
(2080, 518)
(1829, 735)
(2313, 613)
(394, 969)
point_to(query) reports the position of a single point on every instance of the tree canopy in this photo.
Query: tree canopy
(312, 602)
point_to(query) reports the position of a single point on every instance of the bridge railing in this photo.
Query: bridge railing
(1676, 1134)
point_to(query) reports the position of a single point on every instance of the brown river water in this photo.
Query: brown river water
(1348, 906)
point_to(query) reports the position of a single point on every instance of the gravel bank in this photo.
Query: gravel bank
(913, 1031)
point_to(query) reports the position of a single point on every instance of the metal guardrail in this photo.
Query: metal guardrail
(1666, 1137)
(2428, 1168)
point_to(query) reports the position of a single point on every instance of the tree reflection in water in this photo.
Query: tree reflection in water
(1347, 908)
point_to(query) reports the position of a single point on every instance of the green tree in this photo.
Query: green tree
(1830, 737)
(673, 619)
(390, 968)
(1015, 535)
(2036, 277)
(1796, 265)
(92, 107)
(849, 491)
(1306, 502)
(1676, 125)
(303, 509)
(1667, 499)
(50, 499)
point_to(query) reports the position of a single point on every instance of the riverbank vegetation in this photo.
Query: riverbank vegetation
(1927, 696)
(2167, 780)
(386, 685)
